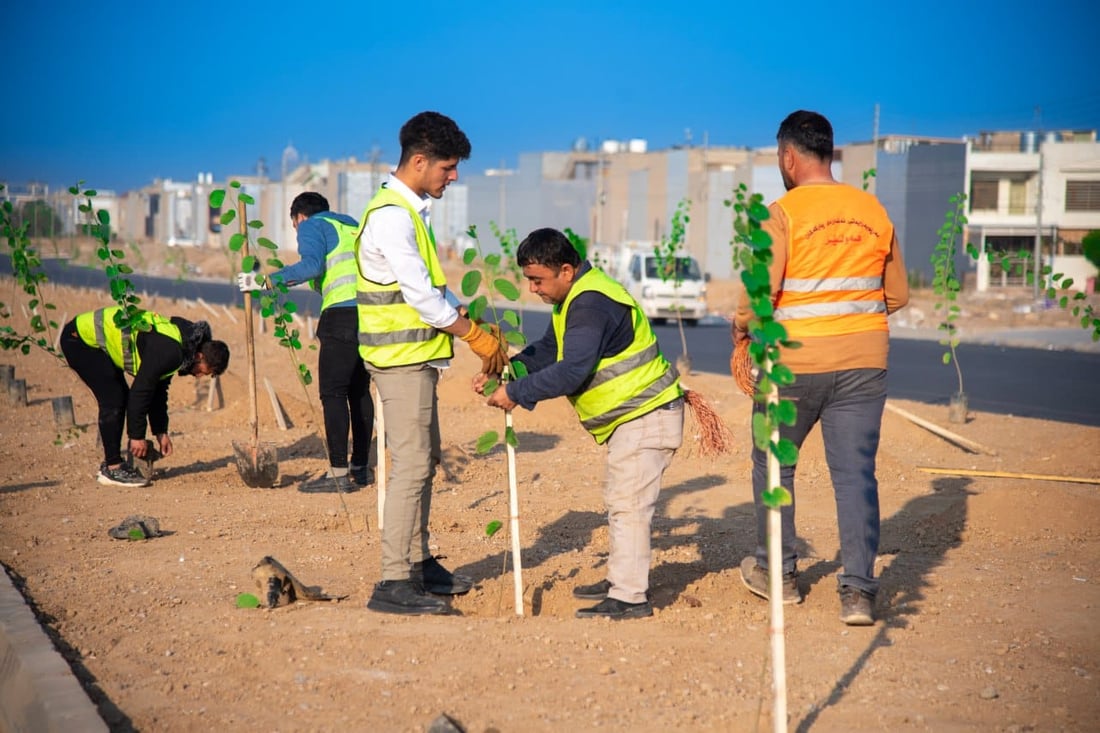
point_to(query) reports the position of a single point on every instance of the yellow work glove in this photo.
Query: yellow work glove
(488, 344)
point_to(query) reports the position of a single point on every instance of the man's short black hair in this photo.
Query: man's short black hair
(810, 132)
(216, 356)
(547, 247)
(308, 204)
(434, 135)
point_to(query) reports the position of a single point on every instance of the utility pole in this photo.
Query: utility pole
(874, 151)
(1038, 206)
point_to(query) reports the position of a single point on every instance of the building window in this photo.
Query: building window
(983, 195)
(1082, 195)
(1017, 197)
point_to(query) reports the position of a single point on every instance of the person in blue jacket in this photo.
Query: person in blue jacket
(326, 246)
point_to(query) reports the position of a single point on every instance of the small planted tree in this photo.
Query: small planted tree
(752, 254)
(482, 309)
(946, 285)
(670, 265)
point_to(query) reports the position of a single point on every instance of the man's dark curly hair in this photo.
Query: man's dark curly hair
(434, 135)
(808, 131)
(308, 203)
(547, 247)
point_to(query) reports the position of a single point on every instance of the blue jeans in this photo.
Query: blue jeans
(849, 405)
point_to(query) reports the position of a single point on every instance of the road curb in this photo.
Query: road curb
(38, 691)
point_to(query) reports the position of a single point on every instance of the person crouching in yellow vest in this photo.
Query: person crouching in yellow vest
(406, 329)
(600, 352)
(102, 354)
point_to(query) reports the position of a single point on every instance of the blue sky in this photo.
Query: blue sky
(118, 93)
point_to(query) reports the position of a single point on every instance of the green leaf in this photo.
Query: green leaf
(492, 260)
(785, 412)
(761, 431)
(246, 198)
(776, 497)
(491, 385)
(236, 241)
(228, 216)
(235, 184)
(256, 224)
(786, 451)
(493, 527)
(470, 282)
(290, 306)
(477, 306)
(511, 318)
(947, 357)
(759, 239)
(217, 197)
(782, 375)
(247, 263)
(519, 369)
(486, 442)
(247, 600)
(506, 288)
(516, 338)
(267, 243)
(469, 256)
(510, 437)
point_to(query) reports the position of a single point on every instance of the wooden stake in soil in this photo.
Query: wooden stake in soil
(380, 468)
(958, 440)
(280, 414)
(214, 398)
(513, 510)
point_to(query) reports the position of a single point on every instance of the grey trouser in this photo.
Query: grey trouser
(849, 405)
(410, 410)
(638, 452)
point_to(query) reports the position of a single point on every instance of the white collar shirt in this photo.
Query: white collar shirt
(388, 253)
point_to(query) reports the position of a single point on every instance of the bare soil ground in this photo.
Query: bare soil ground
(987, 614)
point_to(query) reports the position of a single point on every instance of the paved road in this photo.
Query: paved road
(1046, 383)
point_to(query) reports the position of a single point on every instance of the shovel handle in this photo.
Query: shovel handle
(249, 339)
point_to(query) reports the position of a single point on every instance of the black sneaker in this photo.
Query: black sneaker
(434, 578)
(124, 475)
(361, 475)
(327, 484)
(594, 592)
(403, 597)
(616, 609)
(755, 579)
(857, 607)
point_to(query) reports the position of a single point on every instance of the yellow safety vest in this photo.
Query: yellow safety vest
(839, 238)
(97, 328)
(391, 332)
(627, 385)
(338, 282)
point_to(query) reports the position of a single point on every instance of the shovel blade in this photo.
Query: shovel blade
(258, 465)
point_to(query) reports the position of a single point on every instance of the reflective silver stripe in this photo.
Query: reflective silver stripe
(844, 308)
(100, 336)
(387, 297)
(624, 366)
(799, 285)
(667, 380)
(391, 338)
(338, 282)
(333, 260)
(379, 297)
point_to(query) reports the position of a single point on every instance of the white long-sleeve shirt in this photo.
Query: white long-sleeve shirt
(388, 253)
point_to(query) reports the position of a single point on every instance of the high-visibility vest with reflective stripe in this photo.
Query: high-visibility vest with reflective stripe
(97, 328)
(338, 282)
(839, 238)
(624, 386)
(391, 332)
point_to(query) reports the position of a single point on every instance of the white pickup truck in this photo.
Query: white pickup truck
(661, 299)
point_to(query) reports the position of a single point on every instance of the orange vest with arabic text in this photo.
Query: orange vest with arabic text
(838, 241)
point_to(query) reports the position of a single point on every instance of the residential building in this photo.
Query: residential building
(1033, 193)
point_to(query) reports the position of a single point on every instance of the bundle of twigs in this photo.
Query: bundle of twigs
(741, 366)
(714, 437)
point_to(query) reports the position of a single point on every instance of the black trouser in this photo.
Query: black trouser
(108, 384)
(345, 387)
